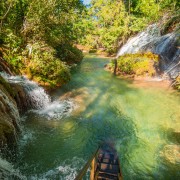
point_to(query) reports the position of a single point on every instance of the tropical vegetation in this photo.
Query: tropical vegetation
(140, 64)
(38, 37)
(109, 23)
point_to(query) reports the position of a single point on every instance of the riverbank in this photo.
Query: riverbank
(144, 81)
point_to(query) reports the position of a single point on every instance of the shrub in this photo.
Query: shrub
(45, 67)
(92, 50)
(138, 64)
(69, 53)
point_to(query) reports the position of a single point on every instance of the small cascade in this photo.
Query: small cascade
(38, 101)
(36, 97)
(150, 40)
(136, 43)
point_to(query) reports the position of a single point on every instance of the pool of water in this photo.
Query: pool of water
(142, 119)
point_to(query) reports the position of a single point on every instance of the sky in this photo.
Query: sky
(86, 1)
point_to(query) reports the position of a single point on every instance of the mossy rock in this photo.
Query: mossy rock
(7, 86)
(9, 118)
(138, 64)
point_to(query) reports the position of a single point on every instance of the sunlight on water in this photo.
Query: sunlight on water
(143, 121)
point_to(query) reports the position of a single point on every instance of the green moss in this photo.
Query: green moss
(138, 64)
(7, 86)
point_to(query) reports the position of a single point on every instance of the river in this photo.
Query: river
(142, 119)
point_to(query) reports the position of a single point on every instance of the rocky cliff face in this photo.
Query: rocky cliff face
(9, 118)
(4, 66)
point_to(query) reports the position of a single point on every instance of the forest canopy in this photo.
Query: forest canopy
(109, 23)
(39, 37)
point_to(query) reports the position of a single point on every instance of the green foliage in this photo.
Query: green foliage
(92, 50)
(27, 27)
(138, 64)
(171, 24)
(69, 53)
(110, 22)
(44, 67)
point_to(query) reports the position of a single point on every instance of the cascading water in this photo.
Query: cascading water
(39, 101)
(35, 96)
(56, 109)
(151, 40)
(136, 43)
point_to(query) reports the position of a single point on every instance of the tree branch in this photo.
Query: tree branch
(1, 24)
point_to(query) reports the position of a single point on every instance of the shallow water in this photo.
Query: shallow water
(142, 121)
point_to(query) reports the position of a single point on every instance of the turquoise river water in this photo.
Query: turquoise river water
(141, 118)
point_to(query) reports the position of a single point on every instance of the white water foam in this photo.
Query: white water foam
(135, 43)
(39, 101)
(57, 110)
(7, 171)
(36, 96)
(68, 170)
(27, 136)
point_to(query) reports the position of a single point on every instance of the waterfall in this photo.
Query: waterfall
(8, 172)
(135, 43)
(150, 40)
(36, 97)
(38, 100)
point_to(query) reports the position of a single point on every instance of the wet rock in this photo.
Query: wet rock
(20, 97)
(9, 119)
